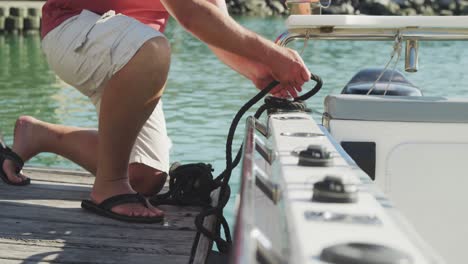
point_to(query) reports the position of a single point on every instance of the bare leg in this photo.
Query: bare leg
(127, 102)
(32, 136)
(79, 145)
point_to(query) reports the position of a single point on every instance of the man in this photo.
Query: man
(114, 52)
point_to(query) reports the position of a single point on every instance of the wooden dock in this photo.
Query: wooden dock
(20, 16)
(44, 223)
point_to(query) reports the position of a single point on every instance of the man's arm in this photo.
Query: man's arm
(258, 73)
(217, 29)
(248, 68)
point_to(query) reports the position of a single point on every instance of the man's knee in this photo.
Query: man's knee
(158, 52)
(157, 55)
(145, 179)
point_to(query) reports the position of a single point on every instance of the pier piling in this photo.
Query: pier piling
(20, 16)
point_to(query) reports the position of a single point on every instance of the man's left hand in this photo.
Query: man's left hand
(263, 78)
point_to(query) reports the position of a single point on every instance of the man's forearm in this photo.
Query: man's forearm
(242, 65)
(206, 21)
(245, 67)
(211, 25)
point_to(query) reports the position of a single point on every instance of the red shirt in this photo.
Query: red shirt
(149, 12)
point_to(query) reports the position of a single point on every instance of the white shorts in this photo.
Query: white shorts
(86, 50)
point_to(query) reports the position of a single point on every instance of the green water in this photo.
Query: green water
(202, 94)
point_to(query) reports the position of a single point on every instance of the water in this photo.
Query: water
(202, 94)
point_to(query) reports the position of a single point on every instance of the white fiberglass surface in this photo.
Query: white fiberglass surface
(423, 168)
(309, 237)
(428, 181)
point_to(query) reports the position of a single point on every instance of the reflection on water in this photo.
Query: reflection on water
(202, 94)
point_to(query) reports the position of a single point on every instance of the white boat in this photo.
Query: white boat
(383, 179)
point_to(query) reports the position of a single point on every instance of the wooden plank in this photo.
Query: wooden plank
(14, 210)
(68, 197)
(45, 224)
(46, 192)
(58, 171)
(49, 201)
(12, 261)
(121, 245)
(59, 175)
(36, 228)
(106, 244)
(103, 255)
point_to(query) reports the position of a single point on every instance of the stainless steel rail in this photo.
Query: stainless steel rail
(268, 154)
(270, 189)
(261, 128)
(410, 34)
(330, 33)
(244, 247)
(265, 253)
(250, 245)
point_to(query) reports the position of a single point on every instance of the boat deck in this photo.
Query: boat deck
(44, 223)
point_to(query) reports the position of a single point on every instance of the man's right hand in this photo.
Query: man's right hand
(288, 68)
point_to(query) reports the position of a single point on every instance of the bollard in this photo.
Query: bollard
(31, 23)
(13, 24)
(3, 14)
(18, 11)
(3, 11)
(2, 24)
(33, 12)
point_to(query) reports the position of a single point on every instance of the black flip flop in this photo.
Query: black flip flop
(7, 153)
(105, 207)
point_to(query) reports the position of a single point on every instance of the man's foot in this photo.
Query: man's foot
(103, 191)
(27, 135)
(105, 208)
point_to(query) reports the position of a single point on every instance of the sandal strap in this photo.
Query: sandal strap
(7, 153)
(113, 201)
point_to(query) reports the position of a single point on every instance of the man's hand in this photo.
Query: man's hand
(263, 77)
(289, 69)
(286, 67)
(214, 27)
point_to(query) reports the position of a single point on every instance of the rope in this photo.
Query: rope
(396, 50)
(189, 184)
(306, 40)
(224, 177)
(394, 66)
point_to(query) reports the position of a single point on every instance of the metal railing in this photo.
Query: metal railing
(331, 33)
(250, 245)
(409, 34)
(243, 249)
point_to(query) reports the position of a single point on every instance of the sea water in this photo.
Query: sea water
(202, 94)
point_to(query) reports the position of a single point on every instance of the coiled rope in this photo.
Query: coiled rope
(223, 179)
